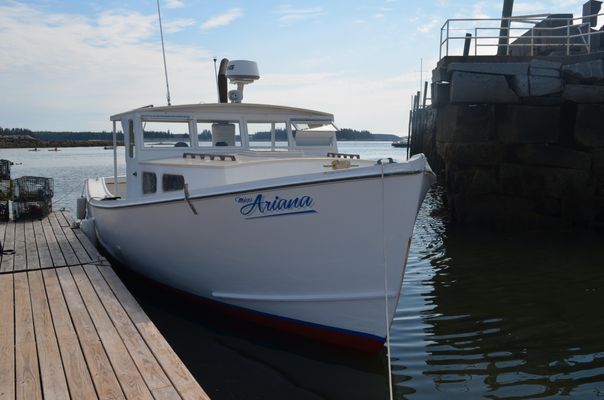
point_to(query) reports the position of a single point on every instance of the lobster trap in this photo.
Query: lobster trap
(33, 189)
(4, 211)
(5, 169)
(23, 210)
(6, 189)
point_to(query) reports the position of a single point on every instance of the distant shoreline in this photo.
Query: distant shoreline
(43, 144)
(25, 138)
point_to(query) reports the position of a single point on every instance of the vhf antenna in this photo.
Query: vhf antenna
(163, 50)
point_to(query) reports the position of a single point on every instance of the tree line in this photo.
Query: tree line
(344, 134)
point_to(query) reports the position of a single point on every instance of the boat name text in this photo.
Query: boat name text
(260, 206)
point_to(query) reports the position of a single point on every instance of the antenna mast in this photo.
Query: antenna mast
(163, 50)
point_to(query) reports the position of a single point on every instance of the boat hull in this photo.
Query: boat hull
(314, 258)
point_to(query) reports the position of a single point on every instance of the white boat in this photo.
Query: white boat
(292, 234)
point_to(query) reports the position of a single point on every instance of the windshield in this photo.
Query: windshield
(317, 126)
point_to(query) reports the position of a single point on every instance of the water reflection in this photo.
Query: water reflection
(504, 315)
(233, 359)
(511, 315)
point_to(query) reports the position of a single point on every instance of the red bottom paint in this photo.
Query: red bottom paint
(338, 337)
(331, 335)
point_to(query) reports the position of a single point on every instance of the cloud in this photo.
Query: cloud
(222, 19)
(70, 72)
(356, 102)
(525, 8)
(567, 3)
(177, 25)
(478, 10)
(288, 15)
(174, 3)
(428, 26)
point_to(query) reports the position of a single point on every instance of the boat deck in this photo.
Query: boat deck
(69, 328)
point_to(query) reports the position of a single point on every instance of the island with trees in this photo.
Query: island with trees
(25, 138)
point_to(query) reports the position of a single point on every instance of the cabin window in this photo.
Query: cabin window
(314, 133)
(269, 134)
(172, 182)
(163, 134)
(218, 133)
(131, 138)
(149, 182)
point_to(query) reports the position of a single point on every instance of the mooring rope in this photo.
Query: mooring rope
(99, 262)
(388, 357)
(6, 252)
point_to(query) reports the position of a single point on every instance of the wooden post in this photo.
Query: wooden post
(466, 45)
(425, 94)
(414, 134)
(409, 132)
(504, 32)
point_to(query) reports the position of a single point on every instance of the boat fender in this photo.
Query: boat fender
(387, 160)
(340, 164)
(81, 205)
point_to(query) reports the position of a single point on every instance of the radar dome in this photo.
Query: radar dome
(242, 71)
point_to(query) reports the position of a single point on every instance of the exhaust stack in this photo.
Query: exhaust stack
(222, 81)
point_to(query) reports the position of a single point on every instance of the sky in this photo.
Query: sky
(69, 65)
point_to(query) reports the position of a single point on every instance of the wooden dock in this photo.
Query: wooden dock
(69, 328)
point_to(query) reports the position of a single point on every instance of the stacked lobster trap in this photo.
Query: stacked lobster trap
(31, 196)
(6, 189)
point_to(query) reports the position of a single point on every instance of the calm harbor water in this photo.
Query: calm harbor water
(482, 314)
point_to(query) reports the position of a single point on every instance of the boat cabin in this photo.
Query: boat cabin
(166, 146)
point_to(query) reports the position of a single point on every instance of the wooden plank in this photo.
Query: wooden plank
(167, 393)
(53, 246)
(132, 383)
(7, 338)
(106, 383)
(84, 241)
(150, 369)
(8, 260)
(31, 247)
(67, 217)
(78, 377)
(78, 248)
(61, 318)
(54, 383)
(27, 374)
(180, 376)
(20, 251)
(43, 252)
(24, 323)
(92, 251)
(66, 249)
(62, 219)
(3, 226)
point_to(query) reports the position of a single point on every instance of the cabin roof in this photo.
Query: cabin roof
(229, 108)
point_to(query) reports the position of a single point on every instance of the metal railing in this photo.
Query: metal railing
(569, 34)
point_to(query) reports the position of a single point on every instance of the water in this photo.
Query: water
(496, 315)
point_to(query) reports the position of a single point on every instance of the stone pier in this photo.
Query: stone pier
(519, 141)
